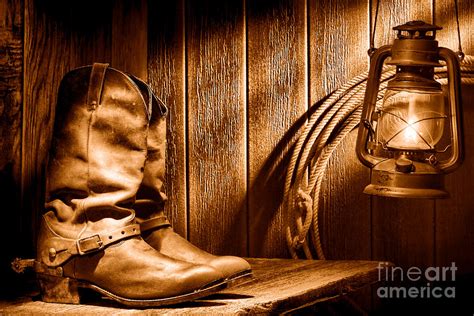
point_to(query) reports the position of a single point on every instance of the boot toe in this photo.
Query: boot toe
(231, 266)
(200, 277)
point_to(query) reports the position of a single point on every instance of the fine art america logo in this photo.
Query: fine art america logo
(417, 282)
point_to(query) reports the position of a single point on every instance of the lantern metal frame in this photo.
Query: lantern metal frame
(408, 173)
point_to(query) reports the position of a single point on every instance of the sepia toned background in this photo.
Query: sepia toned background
(238, 77)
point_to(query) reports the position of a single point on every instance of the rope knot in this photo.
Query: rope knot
(297, 242)
(304, 201)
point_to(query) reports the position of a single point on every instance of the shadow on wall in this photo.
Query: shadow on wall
(15, 235)
(76, 16)
(271, 178)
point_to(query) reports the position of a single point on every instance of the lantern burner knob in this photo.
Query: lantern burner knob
(416, 30)
(404, 164)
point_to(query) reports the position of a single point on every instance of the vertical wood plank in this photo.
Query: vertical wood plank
(277, 98)
(455, 216)
(215, 33)
(338, 52)
(403, 229)
(345, 221)
(397, 12)
(11, 71)
(339, 42)
(57, 39)
(167, 76)
(129, 37)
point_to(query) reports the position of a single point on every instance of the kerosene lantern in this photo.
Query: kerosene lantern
(415, 136)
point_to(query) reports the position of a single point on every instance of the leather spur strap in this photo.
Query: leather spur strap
(72, 247)
(155, 223)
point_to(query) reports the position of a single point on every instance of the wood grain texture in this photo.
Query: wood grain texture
(338, 52)
(403, 229)
(167, 76)
(344, 210)
(397, 12)
(11, 67)
(338, 44)
(129, 37)
(455, 216)
(345, 217)
(56, 41)
(277, 100)
(215, 33)
(11, 71)
(279, 286)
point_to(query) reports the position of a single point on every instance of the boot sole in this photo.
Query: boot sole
(66, 290)
(239, 278)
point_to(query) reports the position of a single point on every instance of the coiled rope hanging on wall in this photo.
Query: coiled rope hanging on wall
(333, 120)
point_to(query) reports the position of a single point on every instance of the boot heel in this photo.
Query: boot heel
(58, 289)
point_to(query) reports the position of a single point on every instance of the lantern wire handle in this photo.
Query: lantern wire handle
(372, 37)
(460, 53)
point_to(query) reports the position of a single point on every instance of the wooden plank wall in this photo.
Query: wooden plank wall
(343, 207)
(216, 129)
(238, 77)
(277, 98)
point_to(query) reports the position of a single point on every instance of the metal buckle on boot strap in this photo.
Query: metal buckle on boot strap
(96, 242)
(89, 244)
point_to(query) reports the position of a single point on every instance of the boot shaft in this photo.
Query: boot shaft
(151, 196)
(98, 150)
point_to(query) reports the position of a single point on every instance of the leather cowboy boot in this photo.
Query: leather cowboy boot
(89, 237)
(155, 227)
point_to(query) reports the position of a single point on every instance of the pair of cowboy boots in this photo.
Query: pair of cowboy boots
(104, 226)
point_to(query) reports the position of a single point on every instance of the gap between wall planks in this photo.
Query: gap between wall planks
(454, 217)
(167, 77)
(216, 134)
(277, 100)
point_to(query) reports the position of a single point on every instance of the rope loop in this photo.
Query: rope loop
(325, 129)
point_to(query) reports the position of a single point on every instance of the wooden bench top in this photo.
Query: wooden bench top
(279, 285)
